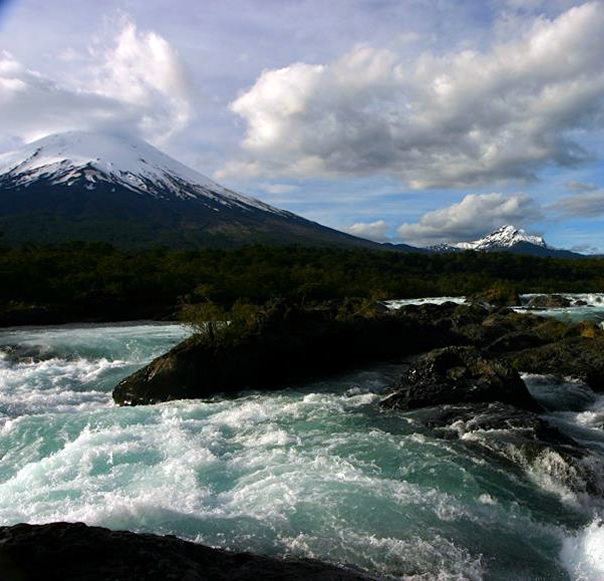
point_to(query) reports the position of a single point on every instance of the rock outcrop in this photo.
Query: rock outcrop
(296, 344)
(76, 552)
(455, 375)
(581, 357)
(293, 345)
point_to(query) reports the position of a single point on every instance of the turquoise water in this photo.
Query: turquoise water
(315, 471)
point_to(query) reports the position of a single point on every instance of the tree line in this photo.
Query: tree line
(97, 277)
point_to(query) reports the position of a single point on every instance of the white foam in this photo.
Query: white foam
(583, 554)
(413, 559)
(592, 299)
(317, 472)
(398, 303)
(54, 385)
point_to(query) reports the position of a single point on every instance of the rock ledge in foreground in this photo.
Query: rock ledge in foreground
(77, 552)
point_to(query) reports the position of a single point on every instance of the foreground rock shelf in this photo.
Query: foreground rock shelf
(76, 552)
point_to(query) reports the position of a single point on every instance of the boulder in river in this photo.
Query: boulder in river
(581, 357)
(500, 295)
(458, 375)
(548, 302)
(295, 344)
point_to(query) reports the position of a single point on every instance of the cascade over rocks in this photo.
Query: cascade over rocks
(76, 552)
(521, 439)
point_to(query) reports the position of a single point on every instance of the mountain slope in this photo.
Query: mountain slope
(100, 187)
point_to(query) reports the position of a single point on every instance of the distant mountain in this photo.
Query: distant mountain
(405, 248)
(102, 187)
(508, 239)
(505, 237)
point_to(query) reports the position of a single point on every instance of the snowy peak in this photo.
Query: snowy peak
(102, 187)
(504, 237)
(89, 158)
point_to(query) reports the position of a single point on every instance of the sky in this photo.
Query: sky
(415, 121)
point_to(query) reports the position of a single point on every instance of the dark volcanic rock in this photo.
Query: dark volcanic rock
(549, 302)
(458, 375)
(295, 346)
(530, 443)
(581, 357)
(300, 344)
(445, 324)
(76, 552)
(27, 353)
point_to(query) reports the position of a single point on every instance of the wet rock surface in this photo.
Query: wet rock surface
(299, 345)
(27, 353)
(548, 302)
(579, 357)
(458, 375)
(76, 552)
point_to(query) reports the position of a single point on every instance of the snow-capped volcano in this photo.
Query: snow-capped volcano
(504, 237)
(94, 158)
(104, 187)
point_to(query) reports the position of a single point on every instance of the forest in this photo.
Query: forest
(88, 281)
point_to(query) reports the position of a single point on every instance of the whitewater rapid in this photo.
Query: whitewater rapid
(315, 471)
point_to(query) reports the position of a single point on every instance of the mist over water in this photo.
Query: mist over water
(316, 471)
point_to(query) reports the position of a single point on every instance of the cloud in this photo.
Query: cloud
(585, 248)
(589, 204)
(278, 188)
(136, 83)
(473, 217)
(376, 231)
(142, 69)
(451, 119)
(580, 187)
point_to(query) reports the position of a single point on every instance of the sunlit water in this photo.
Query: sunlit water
(316, 471)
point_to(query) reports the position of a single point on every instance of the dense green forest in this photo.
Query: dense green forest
(97, 280)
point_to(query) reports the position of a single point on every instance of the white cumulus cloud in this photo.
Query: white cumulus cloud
(141, 68)
(473, 217)
(453, 119)
(136, 82)
(377, 231)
